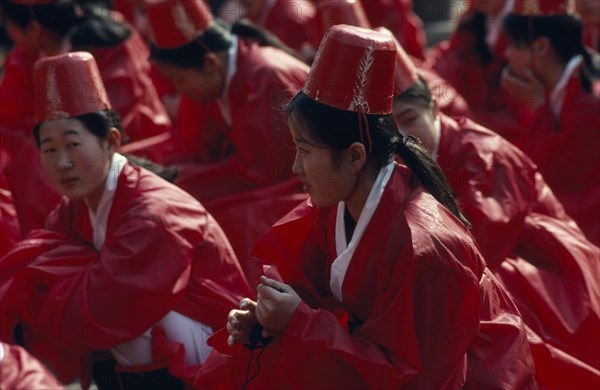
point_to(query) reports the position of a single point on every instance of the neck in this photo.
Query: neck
(551, 74)
(356, 201)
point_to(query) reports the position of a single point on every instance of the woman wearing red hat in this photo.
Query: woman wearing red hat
(546, 49)
(128, 263)
(380, 244)
(234, 83)
(48, 27)
(538, 253)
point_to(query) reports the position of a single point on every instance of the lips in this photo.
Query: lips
(68, 180)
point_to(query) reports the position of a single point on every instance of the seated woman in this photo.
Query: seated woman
(534, 248)
(545, 44)
(380, 244)
(128, 262)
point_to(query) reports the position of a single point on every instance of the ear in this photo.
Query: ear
(358, 156)
(212, 62)
(541, 46)
(113, 139)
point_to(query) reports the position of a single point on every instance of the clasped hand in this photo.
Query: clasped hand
(275, 304)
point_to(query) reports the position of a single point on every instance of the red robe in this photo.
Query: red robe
(162, 252)
(567, 153)
(426, 311)
(257, 154)
(539, 254)
(20, 370)
(398, 17)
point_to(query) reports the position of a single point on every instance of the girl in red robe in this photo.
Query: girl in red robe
(380, 244)
(546, 48)
(43, 27)
(536, 250)
(233, 81)
(128, 263)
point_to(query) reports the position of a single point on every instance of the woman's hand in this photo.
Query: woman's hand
(528, 91)
(241, 322)
(275, 305)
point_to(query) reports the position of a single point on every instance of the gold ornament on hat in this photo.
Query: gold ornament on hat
(532, 8)
(183, 22)
(54, 102)
(359, 102)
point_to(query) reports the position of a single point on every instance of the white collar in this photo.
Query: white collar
(231, 69)
(1, 352)
(99, 219)
(346, 250)
(437, 126)
(557, 97)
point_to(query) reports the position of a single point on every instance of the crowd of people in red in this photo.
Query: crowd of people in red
(299, 194)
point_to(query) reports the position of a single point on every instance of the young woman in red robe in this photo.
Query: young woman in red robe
(234, 82)
(128, 263)
(545, 49)
(46, 27)
(472, 61)
(379, 244)
(536, 250)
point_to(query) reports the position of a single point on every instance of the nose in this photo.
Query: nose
(64, 161)
(297, 166)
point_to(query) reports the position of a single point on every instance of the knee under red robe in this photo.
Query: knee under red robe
(426, 313)
(162, 252)
(536, 250)
(566, 149)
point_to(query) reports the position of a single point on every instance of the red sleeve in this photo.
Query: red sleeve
(417, 334)
(20, 370)
(139, 275)
(260, 138)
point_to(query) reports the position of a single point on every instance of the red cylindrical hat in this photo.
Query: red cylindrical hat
(353, 70)
(406, 71)
(175, 23)
(68, 85)
(542, 7)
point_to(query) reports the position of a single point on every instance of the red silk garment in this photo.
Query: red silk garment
(567, 153)
(259, 136)
(9, 223)
(426, 313)
(535, 249)
(162, 252)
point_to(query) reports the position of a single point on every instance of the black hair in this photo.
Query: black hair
(99, 123)
(565, 33)
(216, 38)
(338, 129)
(475, 22)
(90, 25)
(419, 93)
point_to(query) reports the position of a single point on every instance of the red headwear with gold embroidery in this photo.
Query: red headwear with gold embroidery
(175, 23)
(67, 85)
(406, 71)
(353, 71)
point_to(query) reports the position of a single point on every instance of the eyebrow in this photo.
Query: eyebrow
(406, 111)
(65, 133)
